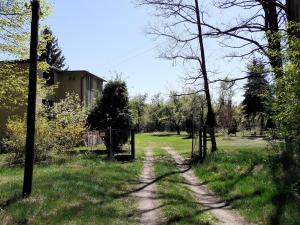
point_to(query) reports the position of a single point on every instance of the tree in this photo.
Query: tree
(264, 20)
(137, 110)
(112, 110)
(195, 111)
(58, 129)
(181, 24)
(15, 19)
(175, 110)
(156, 113)
(226, 109)
(256, 92)
(52, 54)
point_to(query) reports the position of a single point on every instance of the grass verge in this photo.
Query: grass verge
(81, 190)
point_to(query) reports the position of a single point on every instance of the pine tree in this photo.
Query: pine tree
(112, 110)
(52, 54)
(257, 92)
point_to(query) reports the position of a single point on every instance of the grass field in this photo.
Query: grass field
(240, 173)
(88, 189)
(77, 190)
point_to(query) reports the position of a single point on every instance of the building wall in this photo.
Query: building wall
(68, 82)
(92, 91)
(79, 82)
(87, 86)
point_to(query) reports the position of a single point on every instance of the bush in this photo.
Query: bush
(58, 128)
(112, 110)
(17, 136)
(68, 122)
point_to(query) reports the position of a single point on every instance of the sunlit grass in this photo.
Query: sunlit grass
(178, 203)
(77, 190)
(88, 189)
(240, 173)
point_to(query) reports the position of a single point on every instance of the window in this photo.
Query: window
(49, 77)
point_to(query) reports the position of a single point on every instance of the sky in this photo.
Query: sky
(108, 37)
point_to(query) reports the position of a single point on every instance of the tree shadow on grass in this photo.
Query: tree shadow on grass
(76, 195)
(16, 197)
(164, 135)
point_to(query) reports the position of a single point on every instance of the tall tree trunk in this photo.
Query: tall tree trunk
(210, 113)
(273, 37)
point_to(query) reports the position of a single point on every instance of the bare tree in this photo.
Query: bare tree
(180, 23)
(258, 32)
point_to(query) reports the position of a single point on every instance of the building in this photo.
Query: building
(86, 85)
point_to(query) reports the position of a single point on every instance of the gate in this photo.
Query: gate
(120, 143)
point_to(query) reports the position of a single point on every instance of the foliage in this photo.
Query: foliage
(52, 54)
(227, 113)
(257, 98)
(15, 23)
(137, 110)
(112, 110)
(176, 111)
(15, 20)
(58, 128)
(68, 120)
(14, 84)
(255, 89)
(287, 103)
(17, 135)
(155, 114)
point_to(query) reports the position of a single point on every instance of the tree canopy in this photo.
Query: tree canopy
(52, 54)
(112, 109)
(256, 90)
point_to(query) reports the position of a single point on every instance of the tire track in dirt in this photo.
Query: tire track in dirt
(224, 213)
(148, 203)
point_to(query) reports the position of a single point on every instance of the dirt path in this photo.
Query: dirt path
(210, 202)
(149, 207)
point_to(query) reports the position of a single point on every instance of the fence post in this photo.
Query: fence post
(200, 145)
(132, 144)
(109, 143)
(204, 142)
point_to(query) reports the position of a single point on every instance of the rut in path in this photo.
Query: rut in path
(217, 207)
(149, 208)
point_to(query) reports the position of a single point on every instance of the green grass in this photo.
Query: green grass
(91, 190)
(239, 173)
(80, 190)
(178, 204)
